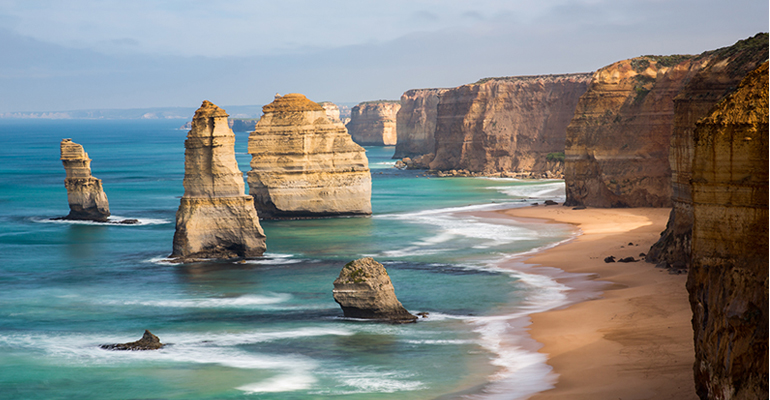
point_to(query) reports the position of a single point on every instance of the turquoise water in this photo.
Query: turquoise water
(268, 328)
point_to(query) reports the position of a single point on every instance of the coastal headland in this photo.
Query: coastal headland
(633, 338)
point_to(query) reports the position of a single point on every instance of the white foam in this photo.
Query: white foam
(545, 190)
(111, 221)
(281, 383)
(247, 301)
(370, 380)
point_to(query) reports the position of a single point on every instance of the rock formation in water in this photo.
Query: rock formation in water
(332, 110)
(242, 124)
(506, 124)
(373, 123)
(619, 142)
(364, 290)
(84, 192)
(304, 165)
(147, 342)
(216, 219)
(416, 123)
(728, 279)
(722, 70)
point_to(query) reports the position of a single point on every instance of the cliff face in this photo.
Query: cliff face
(374, 123)
(84, 192)
(416, 122)
(305, 165)
(719, 75)
(728, 280)
(617, 145)
(506, 124)
(216, 219)
(332, 111)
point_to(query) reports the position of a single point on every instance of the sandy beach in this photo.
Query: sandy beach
(633, 339)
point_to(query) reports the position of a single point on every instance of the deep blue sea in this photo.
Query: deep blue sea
(268, 328)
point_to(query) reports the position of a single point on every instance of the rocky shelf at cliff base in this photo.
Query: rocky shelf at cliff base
(373, 123)
(216, 219)
(304, 165)
(364, 290)
(86, 198)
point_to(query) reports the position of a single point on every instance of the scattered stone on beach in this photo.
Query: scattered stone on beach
(642, 255)
(147, 342)
(628, 260)
(85, 195)
(551, 203)
(609, 259)
(364, 290)
(216, 218)
(581, 207)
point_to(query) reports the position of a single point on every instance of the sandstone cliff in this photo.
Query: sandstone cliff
(331, 109)
(416, 123)
(728, 280)
(719, 75)
(364, 290)
(84, 192)
(506, 124)
(373, 123)
(216, 219)
(305, 165)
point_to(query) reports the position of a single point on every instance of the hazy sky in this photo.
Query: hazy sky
(76, 54)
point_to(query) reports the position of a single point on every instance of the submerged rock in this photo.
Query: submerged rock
(306, 165)
(84, 192)
(364, 290)
(216, 219)
(147, 342)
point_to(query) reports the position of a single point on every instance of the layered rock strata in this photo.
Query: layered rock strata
(332, 110)
(373, 123)
(305, 165)
(364, 290)
(506, 124)
(85, 195)
(722, 70)
(416, 123)
(728, 279)
(216, 219)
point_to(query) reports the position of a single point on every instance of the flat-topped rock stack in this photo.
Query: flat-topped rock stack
(216, 219)
(373, 123)
(364, 290)
(306, 165)
(84, 192)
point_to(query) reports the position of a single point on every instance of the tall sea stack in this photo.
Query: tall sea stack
(216, 219)
(373, 123)
(305, 165)
(728, 279)
(84, 192)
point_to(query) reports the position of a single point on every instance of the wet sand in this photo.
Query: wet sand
(630, 340)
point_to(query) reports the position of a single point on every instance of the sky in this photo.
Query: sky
(88, 54)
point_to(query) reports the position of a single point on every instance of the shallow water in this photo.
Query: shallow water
(268, 328)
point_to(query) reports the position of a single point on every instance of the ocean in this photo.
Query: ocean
(268, 328)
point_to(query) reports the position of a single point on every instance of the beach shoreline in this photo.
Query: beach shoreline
(626, 333)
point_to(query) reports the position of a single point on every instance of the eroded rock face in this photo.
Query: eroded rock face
(364, 290)
(332, 110)
(722, 71)
(416, 123)
(216, 219)
(84, 192)
(506, 124)
(305, 165)
(728, 279)
(373, 123)
(147, 342)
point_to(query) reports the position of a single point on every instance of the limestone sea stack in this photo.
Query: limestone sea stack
(332, 110)
(373, 123)
(728, 279)
(216, 219)
(305, 165)
(84, 192)
(364, 290)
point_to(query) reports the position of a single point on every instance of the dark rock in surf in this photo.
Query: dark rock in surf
(147, 342)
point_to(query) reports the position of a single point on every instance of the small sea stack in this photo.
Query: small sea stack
(147, 342)
(216, 219)
(84, 192)
(305, 165)
(364, 290)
